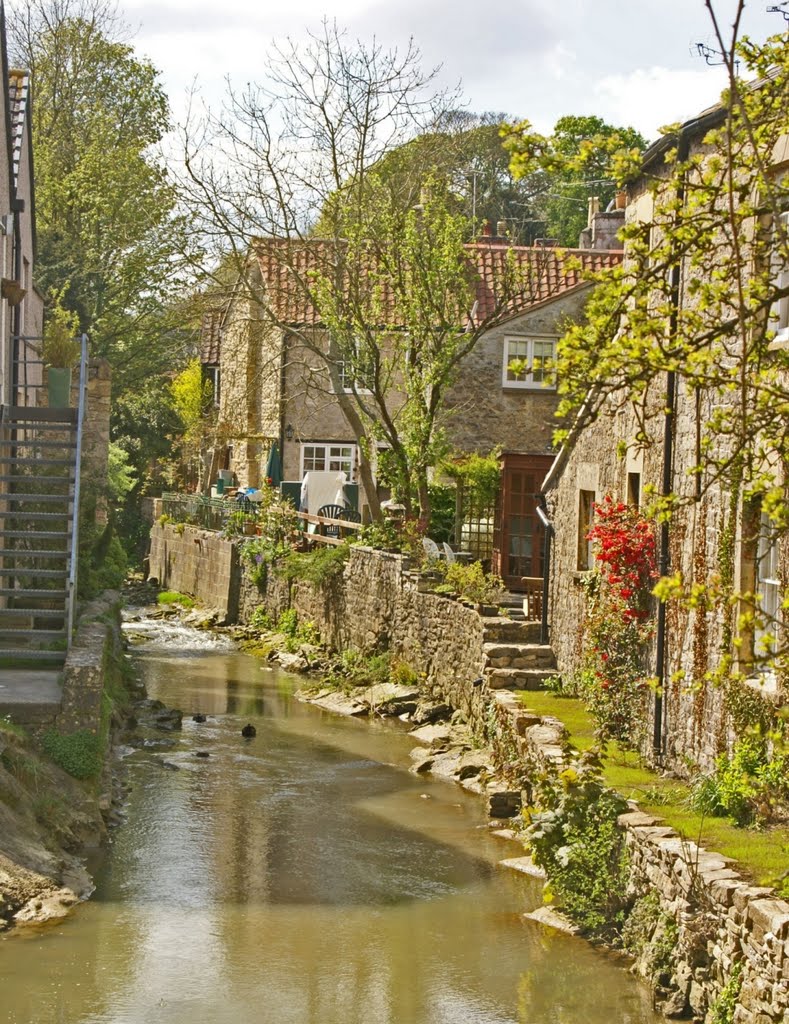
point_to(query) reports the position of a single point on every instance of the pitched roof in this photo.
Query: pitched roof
(543, 274)
(18, 96)
(211, 335)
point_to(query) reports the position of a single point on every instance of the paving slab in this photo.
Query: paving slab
(30, 695)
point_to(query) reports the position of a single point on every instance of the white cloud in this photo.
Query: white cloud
(648, 98)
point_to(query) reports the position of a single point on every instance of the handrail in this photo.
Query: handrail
(81, 406)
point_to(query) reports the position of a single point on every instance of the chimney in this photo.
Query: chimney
(501, 228)
(594, 209)
(487, 230)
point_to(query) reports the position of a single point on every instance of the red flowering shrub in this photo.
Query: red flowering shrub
(617, 626)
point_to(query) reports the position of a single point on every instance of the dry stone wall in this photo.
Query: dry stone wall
(721, 919)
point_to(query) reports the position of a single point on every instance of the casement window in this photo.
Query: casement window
(779, 314)
(214, 376)
(357, 371)
(767, 589)
(335, 458)
(528, 362)
(585, 558)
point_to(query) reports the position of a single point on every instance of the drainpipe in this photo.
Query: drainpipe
(542, 513)
(658, 735)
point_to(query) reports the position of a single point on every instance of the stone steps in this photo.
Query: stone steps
(501, 655)
(510, 631)
(518, 678)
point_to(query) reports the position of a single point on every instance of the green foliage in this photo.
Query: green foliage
(468, 580)
(321, 567)
(102, 561)
(167, 597)
(752, 784)
(60, 348)
(478, 475)
(353, 669)
(723, 1009)
(583, 157)
(296, 633)
(443, 509)
(106, 231)
(78, 753)
(574, 837)
(121, 477)
(191, 396)
(403, 674)
(260, 619)
(651, 935)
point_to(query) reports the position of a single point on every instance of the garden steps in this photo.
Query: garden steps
(514, 657)
(519, 678)
(503, 655)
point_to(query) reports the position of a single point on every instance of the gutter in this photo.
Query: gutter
(542, 514)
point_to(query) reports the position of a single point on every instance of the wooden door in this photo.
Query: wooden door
(519, 534)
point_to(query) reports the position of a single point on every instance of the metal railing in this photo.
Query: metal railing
(82, 401)
(209, 513)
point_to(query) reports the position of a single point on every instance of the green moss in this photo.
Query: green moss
(761, 854)
(173, 597)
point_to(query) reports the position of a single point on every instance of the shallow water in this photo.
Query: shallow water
(300, 877)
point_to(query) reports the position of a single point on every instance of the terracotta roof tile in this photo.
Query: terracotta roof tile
(211, 335)
(544, 273)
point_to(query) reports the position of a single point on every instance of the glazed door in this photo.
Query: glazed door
(519, 532)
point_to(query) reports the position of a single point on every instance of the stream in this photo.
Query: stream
(303, 876)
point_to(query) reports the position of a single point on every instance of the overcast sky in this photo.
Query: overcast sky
(630, 62)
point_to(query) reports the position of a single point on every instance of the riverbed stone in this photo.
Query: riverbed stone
(550, 917)
(431, 735)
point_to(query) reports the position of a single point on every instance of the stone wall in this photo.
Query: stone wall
(721, 920)
(92, 658)
(197, 562)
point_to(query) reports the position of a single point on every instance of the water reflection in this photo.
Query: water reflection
(300, 878)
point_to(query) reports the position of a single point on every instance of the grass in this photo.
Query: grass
(173, 597)
(763, 855)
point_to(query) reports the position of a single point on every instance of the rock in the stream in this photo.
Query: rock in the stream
(504, 803)
(552, 918)
(431, 735)
(474, 763)
(292, 662)
(427, 714)
(391, 699)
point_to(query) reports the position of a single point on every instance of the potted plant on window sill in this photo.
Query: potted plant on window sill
(60, 352)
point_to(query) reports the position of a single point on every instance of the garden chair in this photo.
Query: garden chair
(331, 512)
(432, 550)
(450, 555)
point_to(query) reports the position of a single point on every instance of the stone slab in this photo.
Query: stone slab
(30, 696)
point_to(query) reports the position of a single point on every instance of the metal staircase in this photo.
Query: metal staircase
(40, 450)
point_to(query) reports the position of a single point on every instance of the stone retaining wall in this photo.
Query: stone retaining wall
(95, 653)
(721, 919)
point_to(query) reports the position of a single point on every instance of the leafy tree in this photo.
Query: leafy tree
(692, 316)
(575, 162)
(392, 284)
(107, 232)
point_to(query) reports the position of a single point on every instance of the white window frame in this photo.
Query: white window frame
(354, 386)
(529, 341)
(214, 374)
(328, 447)
(768, 591)
(779, 314)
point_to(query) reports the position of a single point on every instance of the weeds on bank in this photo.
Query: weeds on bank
(168, 597)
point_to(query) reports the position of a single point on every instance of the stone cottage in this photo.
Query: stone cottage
(717, 536)
(265, 354)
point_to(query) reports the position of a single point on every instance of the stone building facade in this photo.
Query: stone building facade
(267, 345)
(712, 535)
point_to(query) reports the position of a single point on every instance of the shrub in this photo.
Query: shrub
(260, 619)
(578, 843)
(470, 581)
(750, 785)
(320, 567)
(78, 753)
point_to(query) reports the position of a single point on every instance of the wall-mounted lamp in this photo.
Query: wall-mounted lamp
(289, 432)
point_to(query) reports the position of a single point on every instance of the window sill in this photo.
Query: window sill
(579, 576)
(548, 389)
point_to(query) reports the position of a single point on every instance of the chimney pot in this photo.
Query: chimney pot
(594, 208)
(501, 228)
(487, 230)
